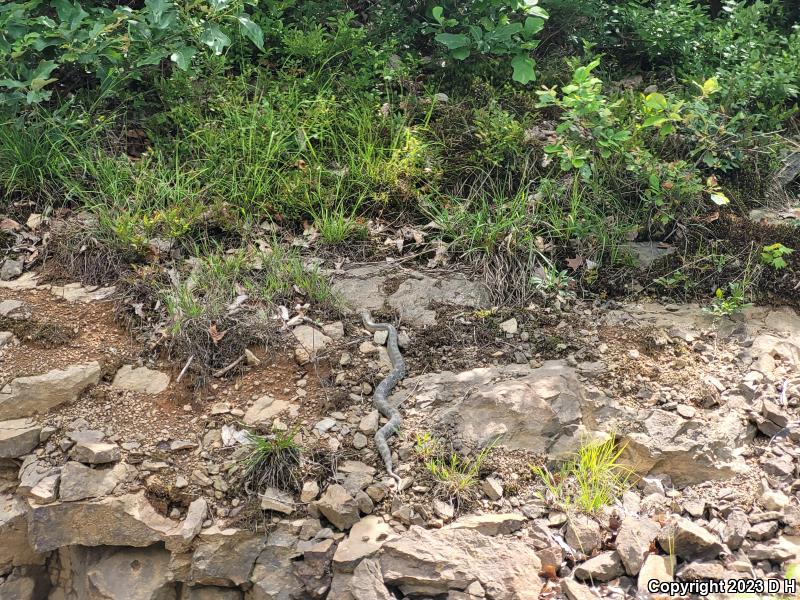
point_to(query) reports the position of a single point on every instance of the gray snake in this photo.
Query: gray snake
(379, 397)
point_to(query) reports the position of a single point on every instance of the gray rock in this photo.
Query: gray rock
(647, 253)
(364, 583)
(309, 341)
(339, 507)
(95, 453)
(365, 539)
(273, 577)
(701, 570)
(18, 437)
(11, 269)
(491, 523)
(264, 410)
(276, 500)
(655, 567)
(15, 549)
(224, 556)
(206, 592)
(26, 396)
(492, 488)
(603, 567)
(309, 492)
(432, 562)
(193, 523)
(79, 482)
(633, 541)
(133, 574)
(141, 380)
(735, 529)
(369, 423)
(688, 541)
(46, 490)
(575, 590)
(583, 534)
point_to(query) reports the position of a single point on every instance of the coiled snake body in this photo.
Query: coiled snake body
(379, 397)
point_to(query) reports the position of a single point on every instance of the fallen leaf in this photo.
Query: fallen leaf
(9, 225)
(575, 263)
(216, 336)
(549, 572)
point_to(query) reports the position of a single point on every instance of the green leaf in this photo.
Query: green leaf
(215, 39)
(438, 12)
(219, 4)
(452, 40)
(719, 198)
(460, 53)
(158, 10)
(533, 25)
(43, 69)
(656, 101)
(183, 57)
(523, 69)
(251, 31)
(654, 121)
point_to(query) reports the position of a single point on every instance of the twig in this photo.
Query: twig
(185, 368)
(224, 370)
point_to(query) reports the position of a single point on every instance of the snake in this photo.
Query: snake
(379, 396)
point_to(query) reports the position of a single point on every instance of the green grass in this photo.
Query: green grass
(590, 481)
(455, 477)
(271, 461)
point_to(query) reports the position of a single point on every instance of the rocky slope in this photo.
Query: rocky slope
(119, 482)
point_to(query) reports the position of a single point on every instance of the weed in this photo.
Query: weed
(773, 255)
(727, 304)
(272, 460)
(455, 477)
(590, 481)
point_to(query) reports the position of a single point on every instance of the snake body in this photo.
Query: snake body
(379, 397)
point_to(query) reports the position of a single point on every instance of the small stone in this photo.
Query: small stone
(369, 423)
(686, 411)
(492, 488)
(655, 567)
(309, 492)
(774, 500)
(359, 441)
(380, 337)
(141, 380)
(339, 507)
(510, 326)
(181, 482)
(583, 534)
(95, 453)
(444, 510)
(11, 269)
(603, 567)
(250, 358)
(276, 500)
(325, 424)
(688, 541)
(334, 330)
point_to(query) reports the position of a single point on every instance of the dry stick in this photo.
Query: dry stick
(185, 367)
(224, 370)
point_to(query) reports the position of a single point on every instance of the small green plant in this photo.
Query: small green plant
(272, 461)
(773, 255)
(591, 480)
(550, 283)
(504, 28)
(499, 133)
(455, 477)
(733, 301)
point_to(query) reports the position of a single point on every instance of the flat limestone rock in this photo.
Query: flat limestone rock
(37, 394)
(18, 437)
(141, 379)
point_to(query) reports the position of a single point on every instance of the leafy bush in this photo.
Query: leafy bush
(42, 41)
(773, 255)
(496, 28)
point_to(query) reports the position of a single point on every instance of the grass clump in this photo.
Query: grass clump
(588, 482)
(456, 477)
(272, 460)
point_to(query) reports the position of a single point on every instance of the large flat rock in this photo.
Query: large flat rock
(27, 396)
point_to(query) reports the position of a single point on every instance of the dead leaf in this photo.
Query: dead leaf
(216, 336)
(301, 164)
(549, 572)
(9, 225)
(575, 263)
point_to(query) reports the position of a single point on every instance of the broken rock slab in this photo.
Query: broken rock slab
(364, 583)
(26, 396)
(141, 380)
(224, 556)
(133, 574)
(310, 340)
(690, 451)
(18, 437)
(79, 482)
(435, 562)
(127, 520)
(15, 548)
(365, 539)
(264, 410)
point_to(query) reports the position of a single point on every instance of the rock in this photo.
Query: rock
(26, 396)
(264, 410)
(278, 501)
(309, 492)
(18, 437)
(224, 556)
(369, 423)
(25, 583)
(763, 531)
(701, 570)
(777, 551)
(647, 253)
(538, 410)
(433, 562)
(688, 451)
(79, 482)
(15, 549)
(133, 574)
(211, 593)
(492, 488)
(576, 591)
(193, 523)
(334, 330)
(364, 583)
(141, 380)
(251, 359)
(510, 326)
(490, 524)
(360, 441)
(633, 541)
(688, 541)
(771, 499)
(735, 529)
(11, 269)
(46, 490)
(583, 534)
(603, 567)
(112, 521)
(655, 567)
(414, 297)
(444, 510)
(365, 539)
(273, 577)
(380, 337)
(75, 292)
(310, 341)
(34, 221)
(339, 507)
(95, 453)
(314, 570)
